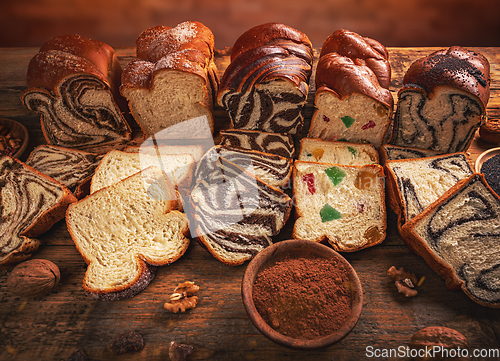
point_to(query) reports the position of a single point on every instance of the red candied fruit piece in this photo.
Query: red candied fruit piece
(326, 119)
(308, 179)
(369, 125)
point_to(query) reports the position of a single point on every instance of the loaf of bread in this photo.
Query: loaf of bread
(281, 144)
(117, 165)
(345, 153)
(443, 101)
(31, 203)
(414, 184)
(73, 83)
(272, 169)
(266, 84)
(458, 237)
(234, 215)
(395, 152)
(125, 231)
(72, 167)
(352, 100)
(173, 78)
(342, 204)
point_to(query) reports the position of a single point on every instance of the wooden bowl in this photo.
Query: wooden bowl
(18, 131)
(296, 248)
(483, 157)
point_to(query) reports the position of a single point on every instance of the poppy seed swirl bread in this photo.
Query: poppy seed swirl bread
(266, 84)
(281, 144)
(443, 101)
(73, 83)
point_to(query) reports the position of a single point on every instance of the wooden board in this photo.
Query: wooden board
(52, 327)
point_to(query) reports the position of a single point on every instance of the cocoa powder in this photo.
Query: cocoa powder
(304, 298)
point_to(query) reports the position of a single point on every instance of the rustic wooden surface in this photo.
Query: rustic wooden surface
(52, 327)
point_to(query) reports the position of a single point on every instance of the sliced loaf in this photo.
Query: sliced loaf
(458, 237)
(124, 231)
(342, 204)
(275, 143)
(31, 203)
(318, 150)
(395, 152)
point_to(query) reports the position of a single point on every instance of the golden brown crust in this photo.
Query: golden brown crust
(363, 50)
(456, 67)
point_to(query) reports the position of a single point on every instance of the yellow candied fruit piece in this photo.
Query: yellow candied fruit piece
(365, 180)
(318, 153)
(373, 234)
(381, 110)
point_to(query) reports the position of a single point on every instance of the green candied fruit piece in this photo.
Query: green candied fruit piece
(335, 174)
(353, 151)
(328, 213)
(348, 121)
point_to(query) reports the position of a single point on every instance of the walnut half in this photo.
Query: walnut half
(405, 281)
(182, 299)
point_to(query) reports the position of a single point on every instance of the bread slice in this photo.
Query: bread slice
(234, 215)
(458, 237)
(195, 150)
(71, 167)
(125, 230)
(281, 144)
(414, 184)
(346, 153)
(117, 165)
(342, 204)
(394, 152)
(31, 203)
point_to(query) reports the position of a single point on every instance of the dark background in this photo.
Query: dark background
(401, 23)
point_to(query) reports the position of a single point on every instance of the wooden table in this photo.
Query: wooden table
(52, 327)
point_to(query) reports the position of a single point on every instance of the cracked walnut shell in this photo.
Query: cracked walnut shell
(440, 338)
(33, 278)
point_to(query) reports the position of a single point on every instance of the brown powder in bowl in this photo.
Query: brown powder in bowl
(304, 298)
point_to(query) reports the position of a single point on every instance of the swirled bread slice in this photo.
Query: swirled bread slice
(458, 237)
(395, 152)
(346, 153)
(281, 144)
(125, 231)
(414, 184)
(234, 214)
(71, 167)
(443, 101)
(31, 203)
(343, 204)
(73, 83)
(271, 169)
(117, 165)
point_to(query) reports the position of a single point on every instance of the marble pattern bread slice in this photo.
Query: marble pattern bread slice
(71, 167)
(458, 237)
(281, 144)
(31, 203)
(342, 204)
(414, 184)
(73, 83)
(395, 152)
(346, 153)
(126, 230)
(234, 215)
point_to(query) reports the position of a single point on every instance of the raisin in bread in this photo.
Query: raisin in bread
(31, 203)
(395, 152)
(269, 168)
(342, 204)
(125, 231)
(414, 184)
(352, 99)
(458, 237)
(234, 215)
(322, 151)
(443, 101)
(173, 78)
(71, 167)
(281, 144)
(117, 165)
(266, 84)
(73, 83)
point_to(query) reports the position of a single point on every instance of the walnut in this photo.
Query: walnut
(179, 351)
(439, 343)
(405, 281)
(34, 278)
(490, 132)
(126, 342)
(182, 299)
